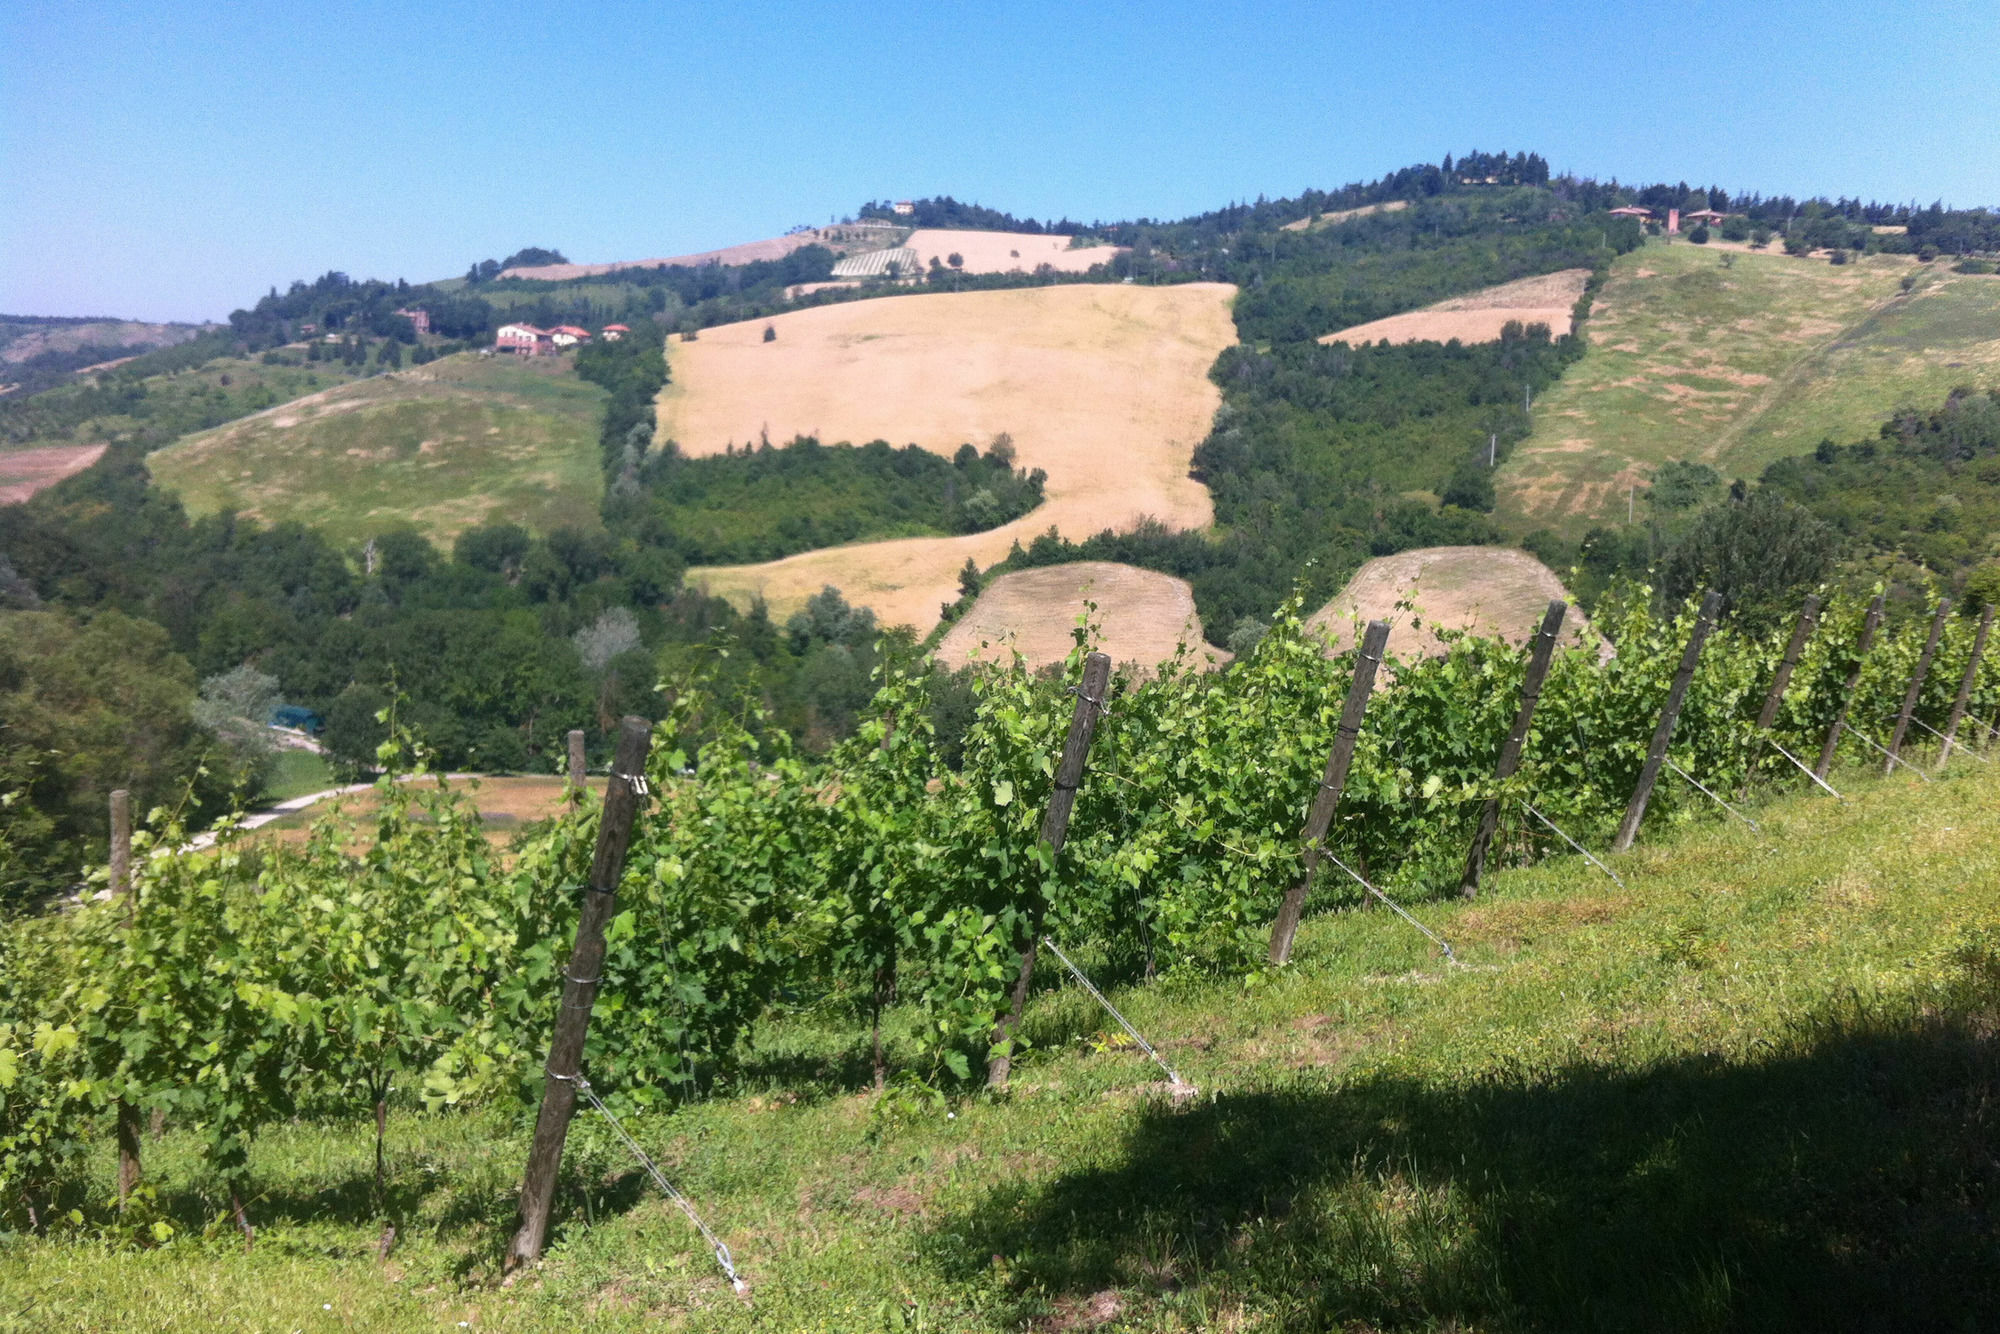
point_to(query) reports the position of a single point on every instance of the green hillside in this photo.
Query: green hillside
(1736, 359)
(1753, 1089)
(441, 447)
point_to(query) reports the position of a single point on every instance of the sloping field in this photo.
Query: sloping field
(1145, 616)
(26, 471)
(1339, 216)
(873, 263)
(1103, 387)
(1478, 317)
(442, 447)
(1004, 252)
(1738, 366)
(25, 337)
(1487, 590)
(849, 238)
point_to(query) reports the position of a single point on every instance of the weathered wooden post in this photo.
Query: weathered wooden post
(1656, 754)
(1965, 684)
(1916, 686)
(576, 763)
(1869, 624)
(121, 888)
(1373, 641)
(1539, 655)
(1055, 828)
(579, 993)
(1808, 619)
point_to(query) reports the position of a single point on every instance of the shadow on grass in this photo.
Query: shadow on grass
(1846, 1180)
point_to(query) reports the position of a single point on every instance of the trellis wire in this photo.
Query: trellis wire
(1956, 747)
(1802, 767)
(1850, 727)
(1173, 1076)
(1573, 843)
(1394, 907)
(722, 1256)
(1710, 795)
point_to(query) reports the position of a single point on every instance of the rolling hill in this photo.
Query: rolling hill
(443, 447)
(1143, 616)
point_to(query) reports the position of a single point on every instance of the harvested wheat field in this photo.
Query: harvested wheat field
(1478, 317)
(1103, 387)
(1341, 215)
(1004, 252)
(1486, 590)
(505, 806)
(26, 471)
(1144, 616)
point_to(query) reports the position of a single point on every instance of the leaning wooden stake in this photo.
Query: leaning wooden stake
(1916, 686)
(1869, 624)
(1808, 619)
(1965, 683)
(576, 763)
(1517, 736)
(1055, 828)
(600, 903)
(1656, 754)
(121, 888)
(1373, 641)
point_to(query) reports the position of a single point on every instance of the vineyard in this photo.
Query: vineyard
(229, 993)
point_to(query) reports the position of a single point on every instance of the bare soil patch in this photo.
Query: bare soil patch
(1339, 216)
(1478, 317)
(1144, 616)
(26, 471)
(1006, 252)
(1104, 387)
(1483, 590)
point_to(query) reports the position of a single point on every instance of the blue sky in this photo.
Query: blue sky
(172, 161)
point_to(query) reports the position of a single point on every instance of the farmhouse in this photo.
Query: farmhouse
(902, 208)
(524, 339)
(568, 335)
(420, 320)
(1633, 211)
(1704, 216)
(613, 332)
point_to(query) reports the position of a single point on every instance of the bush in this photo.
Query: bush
(1699, 235)
(1735, 229)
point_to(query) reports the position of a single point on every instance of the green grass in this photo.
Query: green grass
(1756, 1089)
(297, 773)
(1737, 367)
(442, 447)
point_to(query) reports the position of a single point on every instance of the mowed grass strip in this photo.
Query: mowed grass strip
(1736, 367)
(1755, 1089)
(443, 447)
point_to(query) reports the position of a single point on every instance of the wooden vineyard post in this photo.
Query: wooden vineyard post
(1510, 749)
(1320, 818)
(121, 888)
(1656, 754)
(1802, 631)
(1916, 686)
(1055, 828)
(1958, 706)
(576, 763)
(1869, 624)
(579, 993)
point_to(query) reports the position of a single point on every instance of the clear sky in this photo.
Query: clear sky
(172, 161)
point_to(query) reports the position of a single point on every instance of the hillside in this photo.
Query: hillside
(1735, 358)
(1479, 317)
(1142, 615)
(1763, 1070)
(442, 447)
(1105, 388)
(1481, 590)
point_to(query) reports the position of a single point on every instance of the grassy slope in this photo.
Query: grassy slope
(443, 447)
(1739, 367)
(1755, 1089)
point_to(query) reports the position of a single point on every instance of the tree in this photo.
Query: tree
(1756, 553)
(236, 706)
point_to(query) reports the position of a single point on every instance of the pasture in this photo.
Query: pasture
(443, 447)
(1340, 215)
(1481, 590)
(1737, 366)
(1144, 616)
(26, 471)
(1103, 387)
(1478, 317)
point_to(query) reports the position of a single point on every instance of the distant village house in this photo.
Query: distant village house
(613, 332)
(568, 335)
(524, 339)
(1633, 211)
(902, 208)
(420, 320)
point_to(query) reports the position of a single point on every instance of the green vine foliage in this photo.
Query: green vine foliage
(252, 979)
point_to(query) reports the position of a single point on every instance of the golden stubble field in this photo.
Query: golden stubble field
(1143, 616)
(1004, 252)
(1103, 387)
(1484, 590)
(1478, 317)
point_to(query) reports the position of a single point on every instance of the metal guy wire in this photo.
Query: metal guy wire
(1802, 767)
(1173, 1076)
(1711, 796)
(722, 1256)
(1956, 746)
(1850, 727)
(1573, 843)
(1394, 907)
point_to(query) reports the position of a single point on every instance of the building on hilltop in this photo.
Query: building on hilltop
(568, 335)
(1633, 211)
(420, 320)
(524, 339)
(1706, 217)
(613, 332)
(902, 208)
